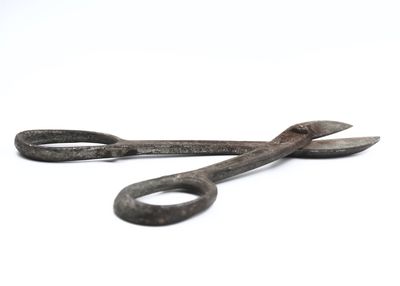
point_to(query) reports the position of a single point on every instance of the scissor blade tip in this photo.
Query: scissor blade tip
(373, 139)
(337, 125)
(340, 147)
(328, 127)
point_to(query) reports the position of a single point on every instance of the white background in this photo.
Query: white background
(239, 70)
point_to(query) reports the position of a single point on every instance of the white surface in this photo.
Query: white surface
(206, 70)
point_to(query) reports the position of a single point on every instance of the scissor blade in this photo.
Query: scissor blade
(324, 127)
(332, 148)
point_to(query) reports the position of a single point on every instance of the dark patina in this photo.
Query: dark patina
(296, 141)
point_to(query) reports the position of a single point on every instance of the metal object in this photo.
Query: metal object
(32, 144)
(295, 141)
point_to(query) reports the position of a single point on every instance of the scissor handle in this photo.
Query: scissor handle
(129, 208)
(31, 144)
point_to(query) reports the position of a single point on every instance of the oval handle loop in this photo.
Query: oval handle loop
(30, 144)
(128, 208)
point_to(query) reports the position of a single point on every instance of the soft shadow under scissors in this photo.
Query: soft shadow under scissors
(296, 141)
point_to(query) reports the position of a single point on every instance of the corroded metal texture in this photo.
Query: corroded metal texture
(296, 141)
(32, 145)
(201, 182)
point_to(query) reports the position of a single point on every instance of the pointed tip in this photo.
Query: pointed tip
(332, 148)
(363, 142)
(347, 126)
(338, 124)
(374, 139)
(326, 127)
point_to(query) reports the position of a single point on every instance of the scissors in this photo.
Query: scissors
(296, 141)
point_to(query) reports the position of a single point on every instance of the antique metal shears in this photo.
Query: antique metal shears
(296, 141)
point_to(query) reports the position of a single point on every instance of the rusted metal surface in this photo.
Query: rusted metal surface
(31, 144)
(296, 141)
